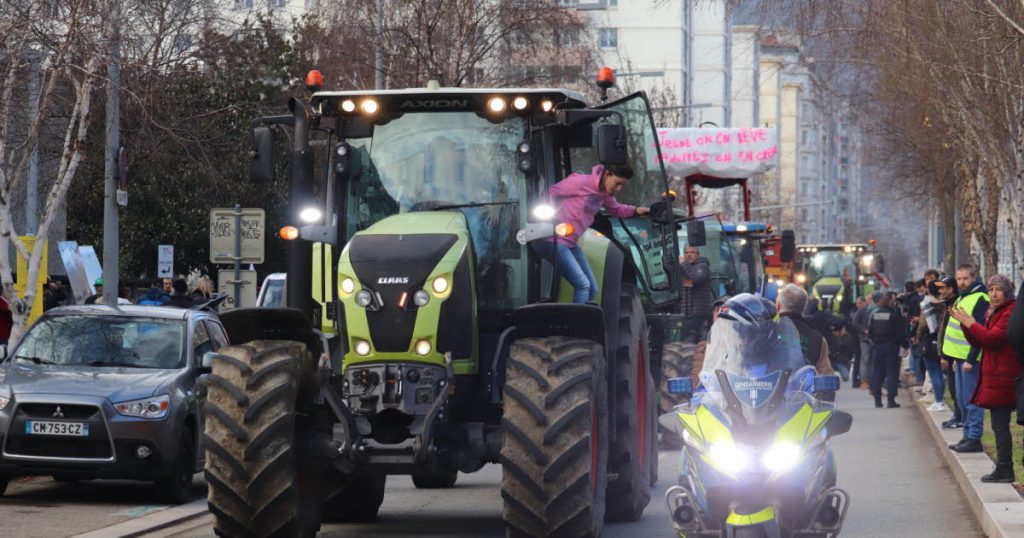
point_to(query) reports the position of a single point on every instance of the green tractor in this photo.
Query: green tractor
(457, 343)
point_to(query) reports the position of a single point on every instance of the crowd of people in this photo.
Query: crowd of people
(161, 292)
(963, 338)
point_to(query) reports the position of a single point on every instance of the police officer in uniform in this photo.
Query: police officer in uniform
(887, 330)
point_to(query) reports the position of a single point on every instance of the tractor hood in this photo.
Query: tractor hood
(393, 260)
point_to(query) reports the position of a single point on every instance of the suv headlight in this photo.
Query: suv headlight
(155, 407)
(4, 400)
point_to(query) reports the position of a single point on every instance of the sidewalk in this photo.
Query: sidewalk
(998, 508)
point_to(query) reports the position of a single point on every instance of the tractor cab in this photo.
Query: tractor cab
(836, 274)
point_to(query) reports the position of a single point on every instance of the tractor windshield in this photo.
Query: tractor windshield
(435, 160)
(831, 263)
(749, 263)
(447, 161)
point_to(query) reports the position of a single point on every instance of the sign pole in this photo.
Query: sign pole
(238, 255)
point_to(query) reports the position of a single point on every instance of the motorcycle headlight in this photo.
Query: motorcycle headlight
(782, 457)
(728, 457)
(155, 407)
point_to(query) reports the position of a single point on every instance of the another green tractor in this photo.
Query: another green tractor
(457, 344)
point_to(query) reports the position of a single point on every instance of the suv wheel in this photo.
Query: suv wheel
(177, 487)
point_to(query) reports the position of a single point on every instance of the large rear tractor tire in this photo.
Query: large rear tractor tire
(676, 361)
(444, 480)
(554, 450)
(357, 501)
(260, 484)
(631, 452)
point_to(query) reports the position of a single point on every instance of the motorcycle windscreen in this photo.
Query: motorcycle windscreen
(753, 350)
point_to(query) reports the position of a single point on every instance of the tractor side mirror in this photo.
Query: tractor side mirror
(879, 263)
(611, 145)
(261, 164)
(661, 212)
(788, 246)
(696, 236)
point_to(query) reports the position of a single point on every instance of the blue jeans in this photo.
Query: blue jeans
(916, 364)
(938, 378)
(973, 416)
(574, 267)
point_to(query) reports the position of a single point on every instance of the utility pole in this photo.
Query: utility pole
(378, 55)
(111, 265)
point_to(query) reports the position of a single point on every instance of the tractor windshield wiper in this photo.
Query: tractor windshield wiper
(471, 204)
(37, 360)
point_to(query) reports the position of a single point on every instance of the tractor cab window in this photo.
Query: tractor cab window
(832, 263)
(449, 161)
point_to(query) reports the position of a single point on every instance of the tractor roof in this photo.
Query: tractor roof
(574, 99)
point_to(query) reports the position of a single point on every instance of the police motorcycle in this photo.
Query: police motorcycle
(756, 459)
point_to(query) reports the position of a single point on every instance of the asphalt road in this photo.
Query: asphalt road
(887, 462)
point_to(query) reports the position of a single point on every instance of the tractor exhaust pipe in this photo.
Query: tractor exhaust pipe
(300, 253)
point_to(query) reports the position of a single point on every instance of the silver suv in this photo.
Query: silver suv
(99, 392)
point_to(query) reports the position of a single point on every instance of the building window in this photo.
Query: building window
(566, 38)
(277, 3)
(613, 3)
(608, 38)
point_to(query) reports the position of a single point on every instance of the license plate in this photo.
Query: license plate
(48, 427)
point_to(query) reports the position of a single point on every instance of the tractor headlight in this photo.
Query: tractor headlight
(362, 348)
(867, 260)
(801, 278)
(423, 347)
(420, 298)
(728, 457)
(782, 457)
(544, 212)
(348, 285)
(364, 298)
(311, 215)
(440, 285)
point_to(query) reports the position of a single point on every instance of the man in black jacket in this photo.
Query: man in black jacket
(180, 297)
(791, 302)
(696, 294)
(888, 332)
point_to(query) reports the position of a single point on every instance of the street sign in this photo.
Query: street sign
(247, 288)
(165, 261)
(222, 235)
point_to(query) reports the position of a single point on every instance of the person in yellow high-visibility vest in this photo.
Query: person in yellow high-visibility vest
(974, 300)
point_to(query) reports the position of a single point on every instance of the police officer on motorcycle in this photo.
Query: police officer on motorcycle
(887, 331)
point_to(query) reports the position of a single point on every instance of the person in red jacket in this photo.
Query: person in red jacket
(996, 388)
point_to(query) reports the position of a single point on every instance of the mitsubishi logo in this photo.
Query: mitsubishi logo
(58, 413)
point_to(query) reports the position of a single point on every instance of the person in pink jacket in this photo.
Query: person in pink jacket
(579, 198)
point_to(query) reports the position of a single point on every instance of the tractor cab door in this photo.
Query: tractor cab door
(653, 246)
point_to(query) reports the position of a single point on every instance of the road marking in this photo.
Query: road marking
(152, 522)
(139, 511)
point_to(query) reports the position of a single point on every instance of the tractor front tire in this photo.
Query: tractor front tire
(259, 485)
(633, 448)
(554, 450)
(676, 361)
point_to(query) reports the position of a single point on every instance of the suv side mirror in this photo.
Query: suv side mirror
(696, 235)
(612, 148)
(788, 246)
(261, 165)
(206, 363)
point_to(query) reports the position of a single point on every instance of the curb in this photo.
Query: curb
(153, 522)
(998, 508)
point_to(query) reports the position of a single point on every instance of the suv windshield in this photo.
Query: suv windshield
(104, 341)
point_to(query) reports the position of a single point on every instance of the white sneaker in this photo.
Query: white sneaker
(938, 406)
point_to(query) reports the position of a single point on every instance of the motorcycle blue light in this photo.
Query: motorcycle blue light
(680, 385)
